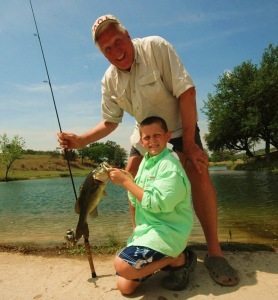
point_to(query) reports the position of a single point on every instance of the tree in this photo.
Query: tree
(10, 150)
(115, 154)
(266, 98)
(217, 156)
(70, 155)
(244, 109)
(120, 156)
(109, 151)
(232, 125)
(83, 153)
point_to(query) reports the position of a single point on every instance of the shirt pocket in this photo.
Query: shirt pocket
(151, 86)
(123, 102)
(149, 181)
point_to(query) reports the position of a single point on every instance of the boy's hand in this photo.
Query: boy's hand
(118, 176)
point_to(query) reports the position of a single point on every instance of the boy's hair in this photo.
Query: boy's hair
(155, 119)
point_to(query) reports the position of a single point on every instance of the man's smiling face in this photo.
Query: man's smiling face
(117, 47)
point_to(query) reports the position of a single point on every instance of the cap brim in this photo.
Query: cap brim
(105, 23)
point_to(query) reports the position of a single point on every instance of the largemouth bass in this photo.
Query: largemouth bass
(91, 192)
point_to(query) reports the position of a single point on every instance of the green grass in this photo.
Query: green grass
(109, 247)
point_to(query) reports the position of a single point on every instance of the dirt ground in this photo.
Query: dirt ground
(37, 277)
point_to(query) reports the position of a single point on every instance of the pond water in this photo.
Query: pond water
(40, 211)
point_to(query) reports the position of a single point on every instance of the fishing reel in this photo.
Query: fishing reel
(70, 237)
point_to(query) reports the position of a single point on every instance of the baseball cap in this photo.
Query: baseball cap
(100, 22)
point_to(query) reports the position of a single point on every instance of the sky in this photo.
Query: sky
(211, 37)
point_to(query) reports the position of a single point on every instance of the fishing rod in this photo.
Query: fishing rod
(52, 94)
(86, 240)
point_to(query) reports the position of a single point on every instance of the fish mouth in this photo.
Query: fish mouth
(101, 176)
(106, 167)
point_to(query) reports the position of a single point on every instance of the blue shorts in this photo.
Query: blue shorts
(139, 256)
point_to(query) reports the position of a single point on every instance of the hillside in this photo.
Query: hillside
(31, 166)
(45, 165)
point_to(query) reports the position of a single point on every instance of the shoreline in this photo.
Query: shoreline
(24, 277)
(83, 170)
(78, 251)
(213, 168)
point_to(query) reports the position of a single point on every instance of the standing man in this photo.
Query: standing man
(146, 77)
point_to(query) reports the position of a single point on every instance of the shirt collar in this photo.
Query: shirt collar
(154, 159)
(137, 57)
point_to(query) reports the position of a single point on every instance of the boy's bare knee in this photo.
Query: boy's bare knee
(126, 287)
(126, 290)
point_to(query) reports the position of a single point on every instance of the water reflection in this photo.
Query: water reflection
(248, 203)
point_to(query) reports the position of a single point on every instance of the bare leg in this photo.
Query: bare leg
(126, 272)
(205, 206)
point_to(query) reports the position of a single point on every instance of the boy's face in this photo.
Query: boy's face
(153, 138)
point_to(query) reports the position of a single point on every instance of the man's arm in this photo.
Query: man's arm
(188, 110)
(70, 140)
(188, 116)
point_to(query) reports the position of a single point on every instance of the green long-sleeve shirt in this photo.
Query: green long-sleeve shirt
(164, 217)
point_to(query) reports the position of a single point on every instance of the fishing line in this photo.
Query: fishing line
(54, 102)
(86, 240)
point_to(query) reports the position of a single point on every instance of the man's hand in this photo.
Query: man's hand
(68, 140)
(196, 156)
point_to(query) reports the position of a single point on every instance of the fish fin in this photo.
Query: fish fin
(94, 213)
(77, 206)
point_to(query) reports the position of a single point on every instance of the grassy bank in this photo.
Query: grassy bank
(258, 163)
(31, 166)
